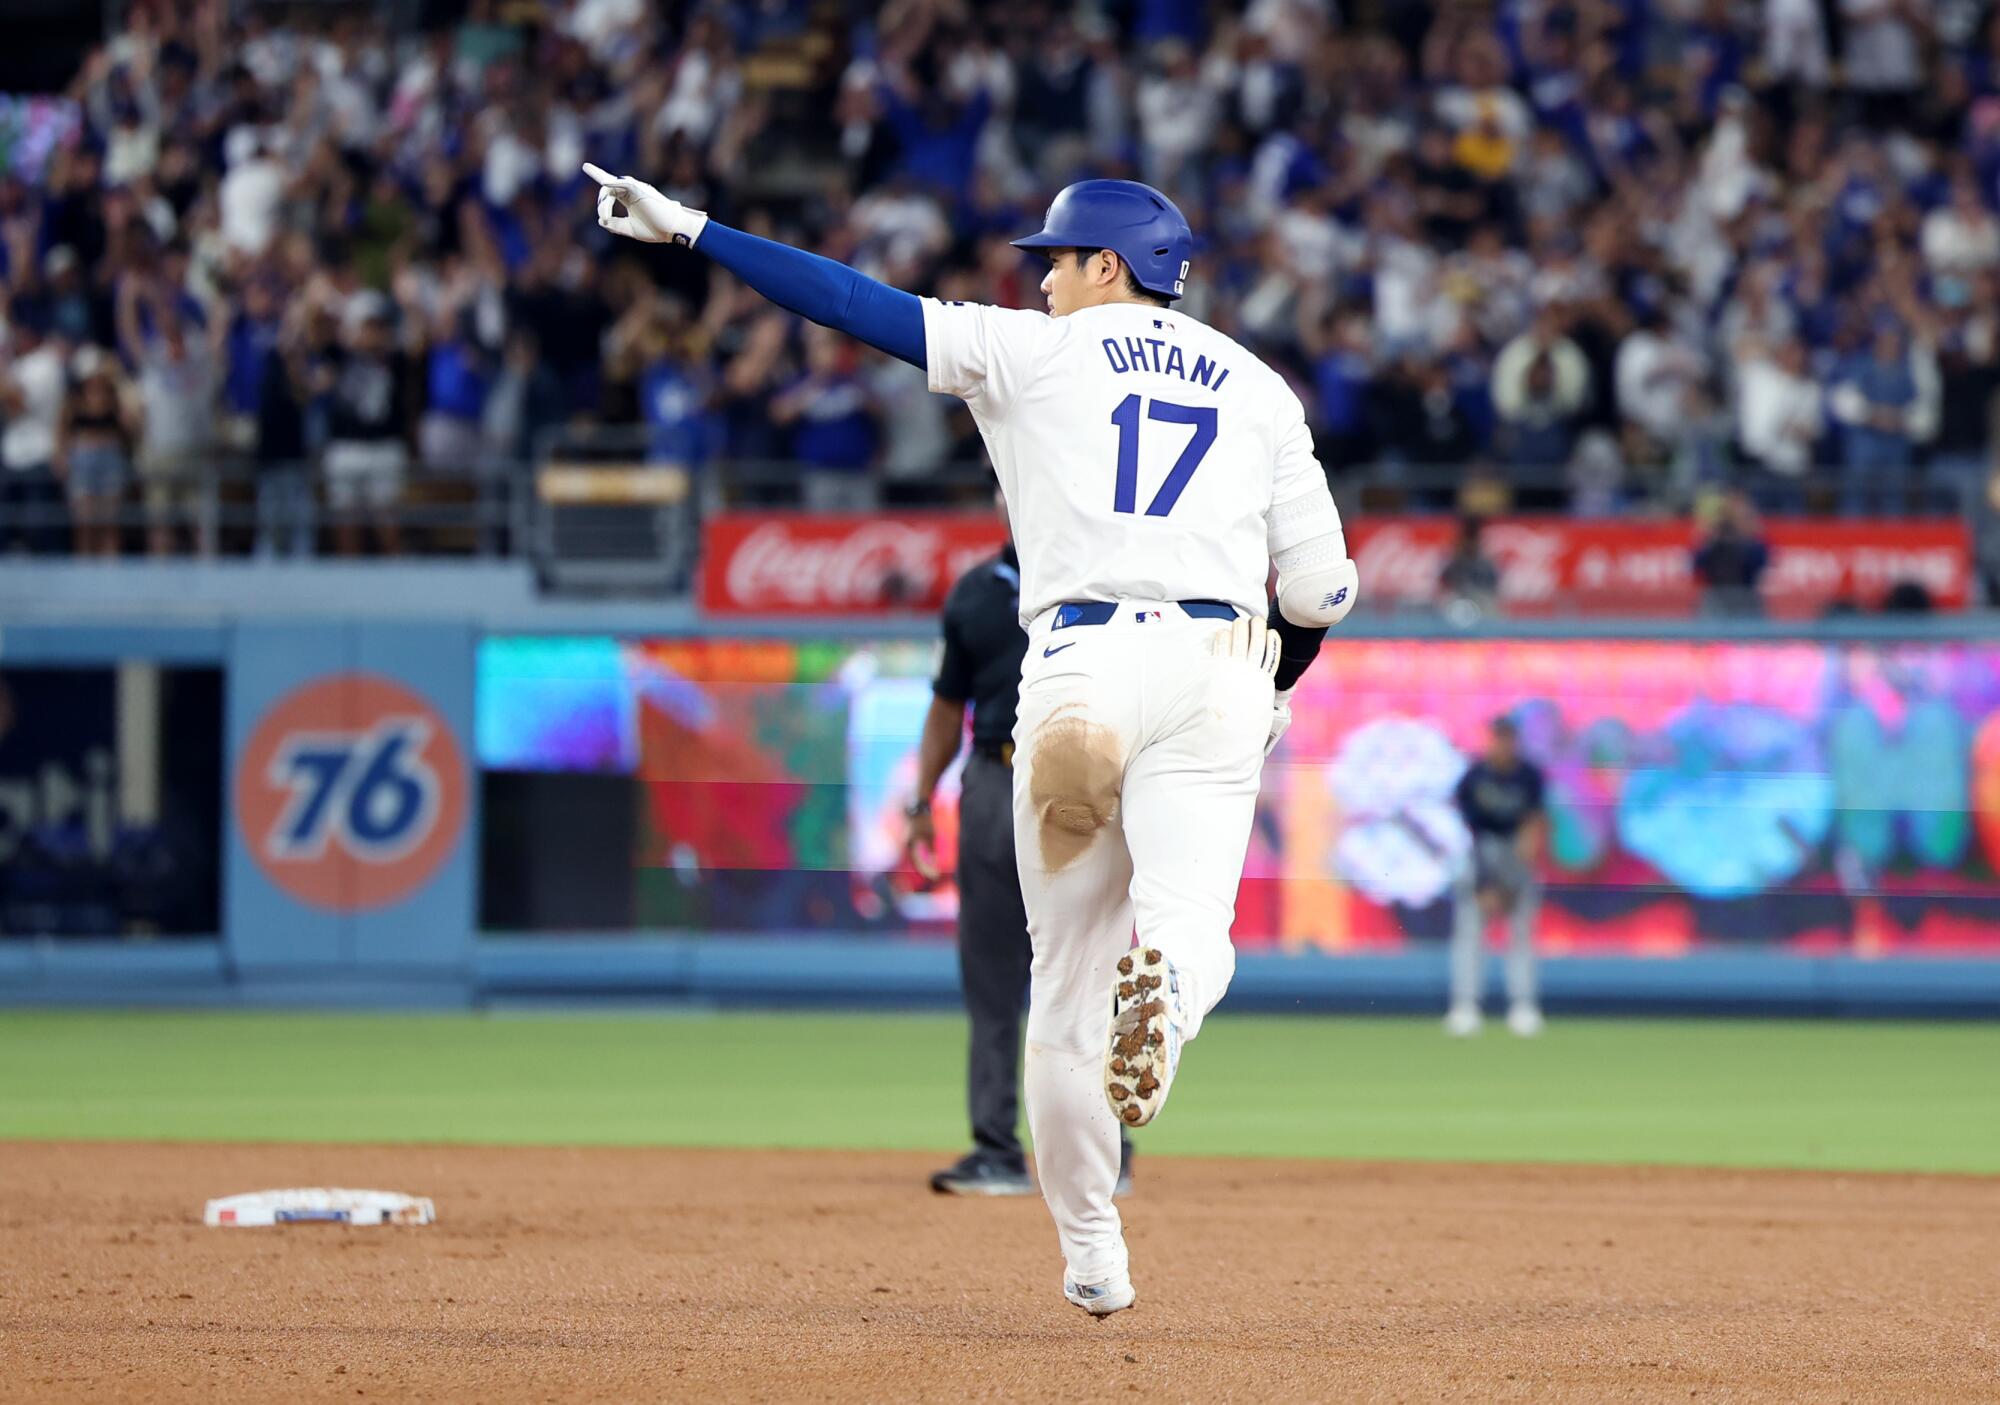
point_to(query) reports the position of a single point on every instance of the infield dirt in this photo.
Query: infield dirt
(558, 1275)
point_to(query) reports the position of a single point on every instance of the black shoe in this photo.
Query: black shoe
(979, 1174)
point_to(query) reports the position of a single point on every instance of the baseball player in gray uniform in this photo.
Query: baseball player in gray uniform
(1500, 799)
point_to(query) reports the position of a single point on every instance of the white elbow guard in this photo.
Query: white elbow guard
(1319, 596)
(1316, 582)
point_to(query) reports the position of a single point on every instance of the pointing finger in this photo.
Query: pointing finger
(600, 175)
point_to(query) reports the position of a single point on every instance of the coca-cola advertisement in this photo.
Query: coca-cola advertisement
(1558, 565)
(794, 563)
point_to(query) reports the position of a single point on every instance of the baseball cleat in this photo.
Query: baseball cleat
(1145, 1044)
(1101, 1299)
(1462, 1022)
(978, 1174)
(1525, 1020)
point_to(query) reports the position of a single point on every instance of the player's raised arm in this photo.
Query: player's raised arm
(818, 289)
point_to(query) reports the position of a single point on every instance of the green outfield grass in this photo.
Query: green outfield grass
(1817, 1095)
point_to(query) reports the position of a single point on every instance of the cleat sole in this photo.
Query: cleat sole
(1135, 1061)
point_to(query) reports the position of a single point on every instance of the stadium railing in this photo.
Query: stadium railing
(646, 512)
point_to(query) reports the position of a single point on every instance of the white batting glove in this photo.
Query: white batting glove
(1248, 638)
(649, 217)
(1281, 718)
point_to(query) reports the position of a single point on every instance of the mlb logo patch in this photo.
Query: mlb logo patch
(1141, 616)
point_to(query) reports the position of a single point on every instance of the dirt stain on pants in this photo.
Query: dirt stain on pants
(1077, 772)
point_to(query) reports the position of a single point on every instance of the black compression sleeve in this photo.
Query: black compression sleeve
(1298, 647)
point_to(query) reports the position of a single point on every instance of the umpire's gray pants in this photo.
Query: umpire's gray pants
(993, 954)
(1493, 863)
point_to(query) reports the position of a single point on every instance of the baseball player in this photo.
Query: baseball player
(1154, 471)
(1500, 798)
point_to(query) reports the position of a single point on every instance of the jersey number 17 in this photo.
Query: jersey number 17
(1126, 417)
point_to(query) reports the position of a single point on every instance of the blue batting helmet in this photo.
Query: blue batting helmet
(1134, 221)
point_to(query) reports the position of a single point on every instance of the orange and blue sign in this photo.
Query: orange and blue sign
(351, 792)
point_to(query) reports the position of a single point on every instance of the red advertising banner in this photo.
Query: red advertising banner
(798, 563)
(755, 563)
(1554, 565)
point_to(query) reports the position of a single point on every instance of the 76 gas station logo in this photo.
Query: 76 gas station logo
(351, 792)
(373, 794)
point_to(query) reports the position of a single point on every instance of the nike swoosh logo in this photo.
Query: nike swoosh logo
(1054, 649)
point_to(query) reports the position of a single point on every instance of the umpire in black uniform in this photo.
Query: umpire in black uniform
(981, 665)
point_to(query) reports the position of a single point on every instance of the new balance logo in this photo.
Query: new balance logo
(1334, 599)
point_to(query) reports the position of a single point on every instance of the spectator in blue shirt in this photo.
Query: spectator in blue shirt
(1714, 52)
(457, 374)
(939, 137)
(674, 402)
(833, 418)
(77, 312)
(1875, 399)
(1343, 376)
(1169, 19)
(246, 349)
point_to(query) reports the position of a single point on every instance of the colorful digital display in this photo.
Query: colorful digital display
(773, 773)
(1820, 797)
(1804, 796)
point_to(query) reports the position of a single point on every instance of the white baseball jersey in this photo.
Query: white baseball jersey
(1140, 451)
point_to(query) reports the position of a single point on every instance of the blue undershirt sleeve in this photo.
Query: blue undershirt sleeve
(821, 290)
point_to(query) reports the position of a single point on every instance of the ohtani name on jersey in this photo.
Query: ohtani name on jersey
(1163, 358)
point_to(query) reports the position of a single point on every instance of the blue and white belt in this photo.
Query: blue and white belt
(1104, 611)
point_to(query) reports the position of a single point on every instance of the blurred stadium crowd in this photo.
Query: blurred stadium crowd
(1596, 255)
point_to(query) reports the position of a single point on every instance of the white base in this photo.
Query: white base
(318, 1205)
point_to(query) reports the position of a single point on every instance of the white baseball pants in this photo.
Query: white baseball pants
(1137, 756)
